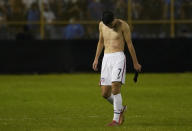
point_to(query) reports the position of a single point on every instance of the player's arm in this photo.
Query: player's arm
(127, 36)
(100, 46)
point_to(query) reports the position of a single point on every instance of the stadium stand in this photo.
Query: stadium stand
(148, 18)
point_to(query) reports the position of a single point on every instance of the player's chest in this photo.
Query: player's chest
(111, 34)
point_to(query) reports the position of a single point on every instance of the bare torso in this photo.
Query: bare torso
(113, 37)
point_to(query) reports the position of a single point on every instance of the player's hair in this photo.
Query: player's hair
(107, 17)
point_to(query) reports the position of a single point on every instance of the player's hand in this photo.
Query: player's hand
(137, 67)
(95, 63)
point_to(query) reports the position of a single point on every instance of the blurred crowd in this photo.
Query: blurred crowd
(33, 11)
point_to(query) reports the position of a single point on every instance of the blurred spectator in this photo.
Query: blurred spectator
(28, 3)
(73, 31)
(48, 14)
(177, 12)
(57, 6)
(3, 19)
(121, 9)
(5, 5)
(17, 10)
(136, 9)
(186, 9)
(166, 9)
(95, 9)
(75, 10)
(33, 14)
(49, 17)
(152, 9)
(42, 2)
(3, 12)
(83, 8)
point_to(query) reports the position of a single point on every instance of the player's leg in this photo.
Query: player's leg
(118, 78)
(106, 93)
(105, 81)
(117, 104)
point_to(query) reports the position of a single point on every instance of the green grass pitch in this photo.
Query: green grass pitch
(73, 102)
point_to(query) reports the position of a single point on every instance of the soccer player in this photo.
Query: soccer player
(113, 34)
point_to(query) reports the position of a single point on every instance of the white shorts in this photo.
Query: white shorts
(113, 68)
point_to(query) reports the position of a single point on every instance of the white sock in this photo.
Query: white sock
(110, 99)
(117, 106)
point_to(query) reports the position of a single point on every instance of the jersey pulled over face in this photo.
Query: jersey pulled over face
(113, 36)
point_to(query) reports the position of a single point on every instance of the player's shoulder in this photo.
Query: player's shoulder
(120, 20)
(124, 24)
(101, 23)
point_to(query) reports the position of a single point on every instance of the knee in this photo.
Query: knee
(116, 88)
(105, 95)
(106, 91)
(115, 91)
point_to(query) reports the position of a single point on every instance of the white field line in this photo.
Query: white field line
(46, 118)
